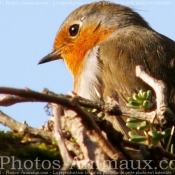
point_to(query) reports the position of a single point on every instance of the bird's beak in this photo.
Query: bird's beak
(55, 55)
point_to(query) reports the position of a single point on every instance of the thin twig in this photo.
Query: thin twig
(67, 159)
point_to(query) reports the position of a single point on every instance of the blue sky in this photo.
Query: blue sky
(27, 32)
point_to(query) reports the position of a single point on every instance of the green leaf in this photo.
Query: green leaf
(136, 138)
(133, 120)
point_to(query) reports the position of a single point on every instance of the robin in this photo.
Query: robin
(102, 42)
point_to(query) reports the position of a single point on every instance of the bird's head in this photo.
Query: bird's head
(86, 27)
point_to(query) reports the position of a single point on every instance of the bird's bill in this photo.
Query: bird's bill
(55, 55)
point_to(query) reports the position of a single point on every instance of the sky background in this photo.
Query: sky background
(27, 32)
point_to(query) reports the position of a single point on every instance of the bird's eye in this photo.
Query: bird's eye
(73, 30)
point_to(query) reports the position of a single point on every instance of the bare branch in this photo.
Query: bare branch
(67, 159)
(8, 100)
(24, 128)
(163, 112)
(87, 120)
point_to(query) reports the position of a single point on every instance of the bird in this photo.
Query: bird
(102, 42)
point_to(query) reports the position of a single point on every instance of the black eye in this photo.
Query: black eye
(73, 30)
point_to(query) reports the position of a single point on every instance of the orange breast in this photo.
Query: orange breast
(75, 49)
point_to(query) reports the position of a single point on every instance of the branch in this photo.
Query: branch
(8, 100)
(23, 128)
(163, 112)
(88, 144)
(112, 108)
(67, 159)
(71, 103)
